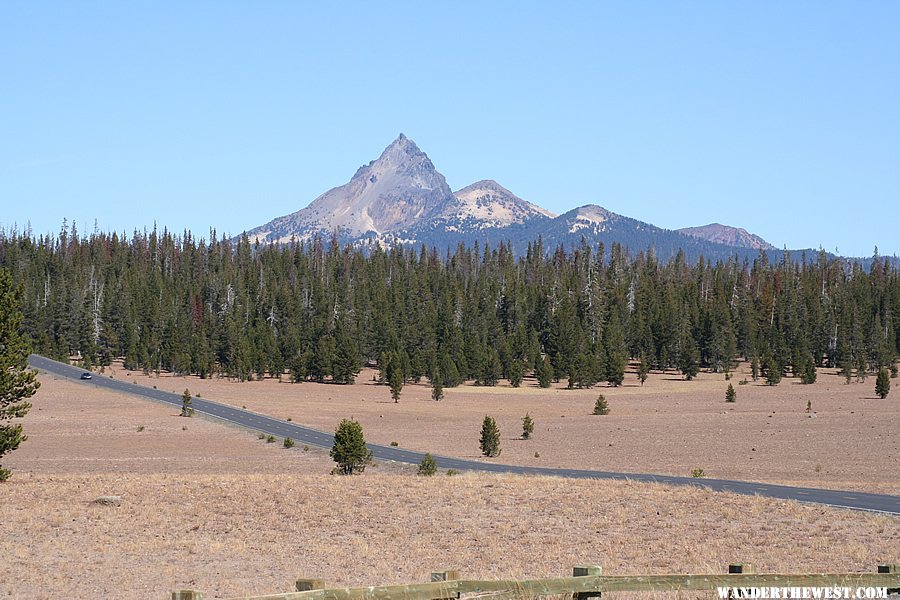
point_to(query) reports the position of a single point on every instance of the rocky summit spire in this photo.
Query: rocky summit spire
(391, 194)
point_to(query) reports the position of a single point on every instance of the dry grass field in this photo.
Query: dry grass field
(668, 426)
(214, 508)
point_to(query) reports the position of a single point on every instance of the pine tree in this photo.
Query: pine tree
(186, 409)
(449, 372)
(600, 406)
(490, 437)
(527, 426)
(428, 466)
(345, 362)
(491, 368)
(516, 372)
(437, 386)
(616, 353)
(883, 383)
(808, 372)
(643, 369)
(754, 367)
(17, 381)
(349, 450)
(544, 372)
(771, 370)
(730, 394)
(862, 367)
(689, 358)
(395, 380)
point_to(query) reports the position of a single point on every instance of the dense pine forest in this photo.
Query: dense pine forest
(319, 311)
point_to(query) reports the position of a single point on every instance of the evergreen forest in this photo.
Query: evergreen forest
(319, 311)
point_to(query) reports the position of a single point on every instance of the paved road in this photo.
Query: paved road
(305, 435)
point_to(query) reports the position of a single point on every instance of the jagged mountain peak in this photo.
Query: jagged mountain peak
(728, 235)
(393, 193)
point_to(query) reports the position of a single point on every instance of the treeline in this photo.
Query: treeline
(320, 311)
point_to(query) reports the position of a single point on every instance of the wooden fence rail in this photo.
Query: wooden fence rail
(587, 581)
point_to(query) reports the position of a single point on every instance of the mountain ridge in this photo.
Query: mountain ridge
(728, 235)
(401, 197)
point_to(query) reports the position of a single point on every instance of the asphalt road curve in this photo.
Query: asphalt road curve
(304, 435)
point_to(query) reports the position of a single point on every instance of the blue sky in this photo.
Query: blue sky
(780, 117)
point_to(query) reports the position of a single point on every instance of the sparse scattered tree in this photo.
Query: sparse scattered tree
(349, 450)
(600, 406)
(17, 381)
(883, 383)
(527, 426)
(187, 410)
(730, 394)
(428, 466)
(490, 437)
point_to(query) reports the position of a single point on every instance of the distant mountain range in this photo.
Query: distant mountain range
(401, 197)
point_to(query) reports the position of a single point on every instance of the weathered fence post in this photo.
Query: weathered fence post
(304, 585)
(584, 571)
(890, 568)
(186, 595)
(738, 568)
(449, 575)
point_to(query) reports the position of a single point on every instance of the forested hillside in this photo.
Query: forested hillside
(319, 311)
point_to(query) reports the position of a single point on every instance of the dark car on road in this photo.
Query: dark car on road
(86, 375)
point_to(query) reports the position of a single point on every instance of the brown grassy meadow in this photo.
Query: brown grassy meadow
(668, 426)
(213, 508)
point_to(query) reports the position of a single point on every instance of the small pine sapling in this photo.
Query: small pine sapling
(600, 406)
(730, 394)
(527, 426)
(186, 409)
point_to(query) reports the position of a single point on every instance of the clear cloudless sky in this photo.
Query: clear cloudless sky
(780, 117)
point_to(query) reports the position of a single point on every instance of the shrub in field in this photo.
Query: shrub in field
(600, 406)
(288, 442)
(349, 450)
(730, 394)
(428, 466)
